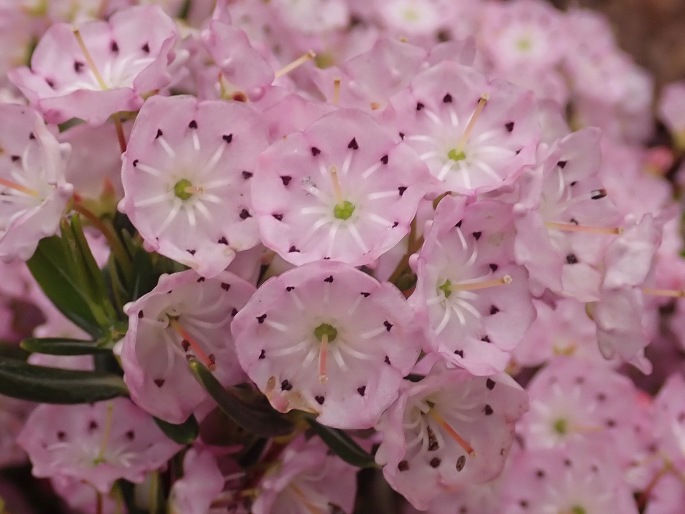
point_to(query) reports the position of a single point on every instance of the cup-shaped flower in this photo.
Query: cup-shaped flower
(471, 296)
(580, 479)
(447, 432)
(343, 189)
(33, 190)
(329, 339)
(307, 479)
(185, 316)
(186, 176)
(98, 443)
(100, 68)
(562, 217)
(474, 134)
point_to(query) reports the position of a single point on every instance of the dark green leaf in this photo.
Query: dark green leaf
(50, 266)
(253, 417)
(92, 277)
(343, 445)
(185, 433)
(52, 385)
(61, 346)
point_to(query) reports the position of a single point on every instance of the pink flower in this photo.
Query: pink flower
(577, 401)
(474, 134)
(101, 68)
(327, 338)
(186, 176)
(185, 315)
(344, 189)
(307, 479)
(202, 482)
(33, 190)
(471, 296)
(98, 443)
(579, 479)
(447, 432)
(562, 216)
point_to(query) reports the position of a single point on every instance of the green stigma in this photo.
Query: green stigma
(325, 330)
(181, 189)
(561, 427)
(446, 288)
(524, 45)
(577, 509)
(456, 156)
(343, 210)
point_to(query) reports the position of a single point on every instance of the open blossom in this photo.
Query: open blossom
(307, 479)
(471, 296)
(33, 190)
(562, 216)
(577, 401)
(474, 134)
(97, 443)
(101, 68)
(202, 482)
(329, 339)
(344, 189)
(185, 316)
(581, 479)
(449, 431)
(186, 175)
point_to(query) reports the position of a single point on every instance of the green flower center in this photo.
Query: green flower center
(181, 189)
(446, 288)
(456, 156)
(343, 210)
(577, 509)
(325, 330)
(524, 44)
(561, 427)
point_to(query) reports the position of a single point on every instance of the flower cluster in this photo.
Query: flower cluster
(249, 248)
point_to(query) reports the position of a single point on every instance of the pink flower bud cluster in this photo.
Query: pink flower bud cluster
(437, 230)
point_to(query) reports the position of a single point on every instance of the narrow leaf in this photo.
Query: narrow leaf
(185, 433)
(94, 278)
(53, 385)
(254, 418)
(61, 346)
(50, 266)
(343, 445)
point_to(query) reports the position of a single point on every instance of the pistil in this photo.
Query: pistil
(295, 64)
(19, 187)
(188, 341)
(572, 227)
(89, 59)
(452, 432)
(458, 151)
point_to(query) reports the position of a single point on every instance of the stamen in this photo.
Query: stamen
(323, 359)
(311, 508)
(472, 122)
(669, 293)
(194, 189)
(208, 360)
(19, 187)
(295, 64)
(106, 435)
(452, 432)
(337, 191)
(474, 286)
(571, 227)
(336, 91)
(90, 61)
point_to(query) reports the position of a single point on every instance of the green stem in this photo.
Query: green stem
(120, 254)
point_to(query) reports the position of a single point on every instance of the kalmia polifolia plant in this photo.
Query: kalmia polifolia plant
(336, 257)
